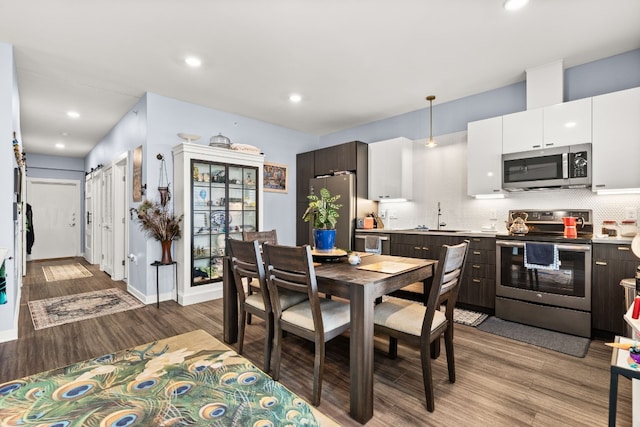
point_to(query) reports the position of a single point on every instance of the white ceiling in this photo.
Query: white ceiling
(353, 61)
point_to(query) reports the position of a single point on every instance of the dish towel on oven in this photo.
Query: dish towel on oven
(373, 244)
(542, 256)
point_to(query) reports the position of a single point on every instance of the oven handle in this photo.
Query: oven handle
(561, 247)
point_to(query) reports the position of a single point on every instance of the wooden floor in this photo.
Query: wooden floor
(500, 382)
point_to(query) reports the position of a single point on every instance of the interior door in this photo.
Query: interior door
(56, 217)
(107, 221)
(120, 233)
(88, 218)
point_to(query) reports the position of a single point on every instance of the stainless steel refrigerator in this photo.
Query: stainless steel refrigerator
(345, 185)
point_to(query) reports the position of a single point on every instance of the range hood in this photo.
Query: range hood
(545, 85)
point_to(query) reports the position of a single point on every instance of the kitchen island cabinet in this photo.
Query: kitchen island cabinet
(611, 263)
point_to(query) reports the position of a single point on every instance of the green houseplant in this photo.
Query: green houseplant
(323, 213)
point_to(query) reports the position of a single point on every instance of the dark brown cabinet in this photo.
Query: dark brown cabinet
(478, 288)
(479, 282)
(350, 156)
(611, 264)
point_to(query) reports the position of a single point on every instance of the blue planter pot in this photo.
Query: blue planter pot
(324, 240)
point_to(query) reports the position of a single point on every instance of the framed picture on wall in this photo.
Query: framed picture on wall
(17, 184)
(275, 177)
(137, 174)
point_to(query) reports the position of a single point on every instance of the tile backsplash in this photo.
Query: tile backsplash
(440, 176)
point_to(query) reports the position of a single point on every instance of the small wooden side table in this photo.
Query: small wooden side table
(157, 265)
(620, 366)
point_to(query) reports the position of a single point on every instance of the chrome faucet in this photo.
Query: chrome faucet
(440, 223)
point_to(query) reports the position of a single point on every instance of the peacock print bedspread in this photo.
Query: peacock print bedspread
(190, 379)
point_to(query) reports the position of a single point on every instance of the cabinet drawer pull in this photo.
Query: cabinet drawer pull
(475, 266)
(477, 252)
(417, 248)
(623, 248)
(475, 239)
(424, 248)
(601, 263)
(476, 280)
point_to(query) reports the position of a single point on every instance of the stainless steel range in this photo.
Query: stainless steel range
(544, 278)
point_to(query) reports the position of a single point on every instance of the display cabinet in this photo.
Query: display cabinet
(219, 191)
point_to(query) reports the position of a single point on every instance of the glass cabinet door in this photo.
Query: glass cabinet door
(224, 204)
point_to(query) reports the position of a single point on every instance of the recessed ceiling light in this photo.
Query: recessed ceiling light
(73, 114)
(294, 97)
(515, 4)
(59, 145)
(193, 61)
(64, 134)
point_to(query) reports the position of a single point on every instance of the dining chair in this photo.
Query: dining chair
(420, 325)
(290, 268)
(269, 236)
(247, 263)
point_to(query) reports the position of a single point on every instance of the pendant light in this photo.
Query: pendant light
(431, 142)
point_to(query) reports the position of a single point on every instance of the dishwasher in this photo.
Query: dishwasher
(384, 240)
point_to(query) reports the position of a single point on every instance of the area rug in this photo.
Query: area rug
(189, 379)
(49, 312)
(557, 341)
(54, 273)
(468, 317)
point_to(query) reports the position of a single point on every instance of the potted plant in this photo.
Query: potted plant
(157, 222)
(323, 212)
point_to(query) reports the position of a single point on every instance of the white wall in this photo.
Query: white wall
(154, 123)
(9, 123)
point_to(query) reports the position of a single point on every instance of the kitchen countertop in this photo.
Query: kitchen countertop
(478, 233)
(470, 233)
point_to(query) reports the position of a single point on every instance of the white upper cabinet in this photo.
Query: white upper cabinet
(484, 157)
(568, 123)
(557, 125)
(522, 131)
(390, 170)
(616, 140)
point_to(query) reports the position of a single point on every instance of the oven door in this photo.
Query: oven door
(568, 287)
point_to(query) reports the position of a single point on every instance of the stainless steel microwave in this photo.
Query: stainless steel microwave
(558, 167)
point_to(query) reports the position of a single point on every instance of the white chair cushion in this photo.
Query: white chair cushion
(290, 298)
(255, 300)
(405, 316)
(334, 314)
(287, 299)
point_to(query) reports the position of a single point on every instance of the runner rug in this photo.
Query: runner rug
(49, 312)
(557, 341)
(54, 273)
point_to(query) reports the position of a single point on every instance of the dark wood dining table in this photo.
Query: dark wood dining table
(361, 287)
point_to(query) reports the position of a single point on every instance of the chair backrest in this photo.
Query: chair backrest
(246, 261)
(291, 267)
(447, 278)
(373, 244)
(270, 236)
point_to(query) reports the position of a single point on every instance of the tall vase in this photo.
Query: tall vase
(166, 252)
